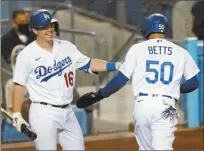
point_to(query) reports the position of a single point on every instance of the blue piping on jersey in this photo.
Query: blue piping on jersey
(115, 84)
(86, 67)
(189, 85)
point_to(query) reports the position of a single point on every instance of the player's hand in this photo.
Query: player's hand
(18, 121)
(89, 99)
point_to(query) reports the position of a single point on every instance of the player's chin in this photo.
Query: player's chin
(49, 37)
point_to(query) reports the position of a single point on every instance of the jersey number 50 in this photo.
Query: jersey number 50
(69, 79)
(162, 71)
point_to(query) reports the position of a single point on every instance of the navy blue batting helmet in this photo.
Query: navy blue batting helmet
(42, 18)
(154, 23)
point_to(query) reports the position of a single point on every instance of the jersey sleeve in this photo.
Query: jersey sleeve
(129, 63)
(80, 58)
(190, 67)
(22, 70)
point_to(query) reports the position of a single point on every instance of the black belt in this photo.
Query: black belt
(145, 94)
(59, 106)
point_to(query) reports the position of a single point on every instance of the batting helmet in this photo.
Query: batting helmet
(42, 18)
(154, 23)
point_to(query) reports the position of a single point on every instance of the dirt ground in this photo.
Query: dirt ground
(185, 139)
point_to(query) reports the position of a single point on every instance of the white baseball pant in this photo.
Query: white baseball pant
(152, 131)
(55, 125)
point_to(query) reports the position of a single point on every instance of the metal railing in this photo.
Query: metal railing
(5, 26)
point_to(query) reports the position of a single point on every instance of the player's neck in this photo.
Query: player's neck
(47, 45)
(156, 35)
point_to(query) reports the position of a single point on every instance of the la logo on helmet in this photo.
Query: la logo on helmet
(46, 16)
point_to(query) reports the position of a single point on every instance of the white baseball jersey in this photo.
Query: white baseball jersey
(49, 76)
(156, 66)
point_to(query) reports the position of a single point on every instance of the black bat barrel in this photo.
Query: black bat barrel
(28, 132)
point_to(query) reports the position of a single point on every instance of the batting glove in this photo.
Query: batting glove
(89, 99)
(18, 121)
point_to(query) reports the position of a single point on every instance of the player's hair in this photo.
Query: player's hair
(18, 11)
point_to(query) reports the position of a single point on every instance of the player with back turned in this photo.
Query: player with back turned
(156, 67)
(47, 68)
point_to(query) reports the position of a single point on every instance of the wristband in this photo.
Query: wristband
(111, 66)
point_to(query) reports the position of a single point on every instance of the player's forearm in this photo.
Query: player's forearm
(98, 65)
(17, 98)
(190, 85)
(115, 84)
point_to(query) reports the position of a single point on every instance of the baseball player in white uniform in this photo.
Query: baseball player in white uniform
(47, 67)
(9, 85)
(156, 67)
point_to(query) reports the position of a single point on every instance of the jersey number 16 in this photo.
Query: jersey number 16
(68, 79)
(162, 71)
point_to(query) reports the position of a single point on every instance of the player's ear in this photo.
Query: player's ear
(35, 31)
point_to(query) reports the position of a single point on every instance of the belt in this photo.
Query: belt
(171, 102)
(153, 95)
(59, 106)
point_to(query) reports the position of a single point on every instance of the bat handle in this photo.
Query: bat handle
(28, 132)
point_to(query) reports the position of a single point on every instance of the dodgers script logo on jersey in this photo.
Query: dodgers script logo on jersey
(51, 71)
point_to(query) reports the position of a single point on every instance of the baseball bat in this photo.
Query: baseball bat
(24, 129)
